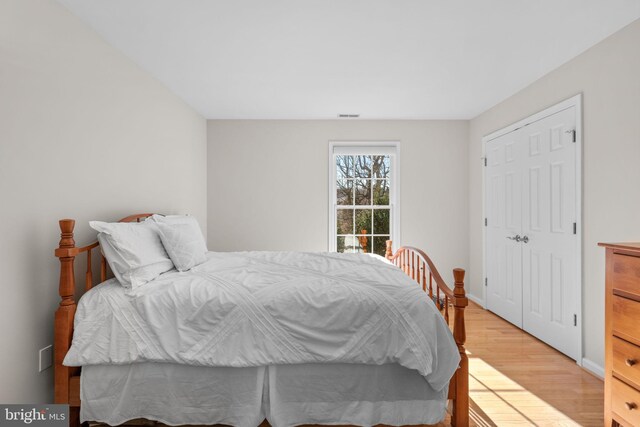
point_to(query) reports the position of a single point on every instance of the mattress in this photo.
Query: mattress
(286, 395)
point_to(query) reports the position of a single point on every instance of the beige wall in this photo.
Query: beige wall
(609, 77)
(268, 184)
(84, 133)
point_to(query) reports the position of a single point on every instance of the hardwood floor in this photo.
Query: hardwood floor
(517, 380)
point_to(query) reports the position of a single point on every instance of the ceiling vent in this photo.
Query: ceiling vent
(348, 116)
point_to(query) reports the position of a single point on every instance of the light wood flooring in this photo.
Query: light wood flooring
(517, 380)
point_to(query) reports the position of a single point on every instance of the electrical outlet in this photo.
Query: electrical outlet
(45, 358)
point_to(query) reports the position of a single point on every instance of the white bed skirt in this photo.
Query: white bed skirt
(286, 395)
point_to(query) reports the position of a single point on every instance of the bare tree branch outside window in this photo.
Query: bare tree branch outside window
(363, 214)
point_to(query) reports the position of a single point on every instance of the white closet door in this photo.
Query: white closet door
(504, 216)
(549, 211)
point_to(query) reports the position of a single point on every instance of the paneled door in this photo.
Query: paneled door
(549, 282)
(504, 222)
(531, 250)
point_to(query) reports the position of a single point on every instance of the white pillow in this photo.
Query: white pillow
(183, 240)
(133, 250)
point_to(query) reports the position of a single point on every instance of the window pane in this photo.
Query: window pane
(379, 244)
(363, 221)
(362, 166)
(344, 167)
(344, 221)
(381, 192)
(363, 191)
(344, 190)
(362, 213)
(381, 221)
(349, 244)
(380, 166)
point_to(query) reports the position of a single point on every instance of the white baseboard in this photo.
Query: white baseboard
(593, 367)
(475, 299)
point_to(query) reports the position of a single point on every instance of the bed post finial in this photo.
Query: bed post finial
(389, 251)
(460, 416)
(66, 233)
(458, 277)
(67, 276)
(460, 302)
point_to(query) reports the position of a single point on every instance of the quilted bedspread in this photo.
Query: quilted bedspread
(268, 308)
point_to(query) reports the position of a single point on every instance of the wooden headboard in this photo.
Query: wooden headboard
(63, 323)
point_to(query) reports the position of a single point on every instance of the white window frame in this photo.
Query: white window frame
(390, 148)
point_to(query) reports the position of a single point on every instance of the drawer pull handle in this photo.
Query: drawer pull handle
(630, 362)
(630, 405)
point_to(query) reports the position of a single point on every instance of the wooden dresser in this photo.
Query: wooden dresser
(622, 334)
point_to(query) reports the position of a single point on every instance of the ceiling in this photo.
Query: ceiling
(382, 59)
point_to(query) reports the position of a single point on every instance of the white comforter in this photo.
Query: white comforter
(268, 308)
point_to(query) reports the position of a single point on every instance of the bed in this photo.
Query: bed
(262, 341)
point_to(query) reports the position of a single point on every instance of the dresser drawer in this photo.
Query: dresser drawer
(626, 273)
(626, 360)
(625, 402)
(625, 317)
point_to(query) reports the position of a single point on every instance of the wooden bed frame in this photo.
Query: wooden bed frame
(414, 262)
(417, 265)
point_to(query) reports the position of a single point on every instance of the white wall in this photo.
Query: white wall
(609, 77)
(86, 134)
(268, 184)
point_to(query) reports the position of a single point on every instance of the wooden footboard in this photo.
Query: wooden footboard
(417, 265)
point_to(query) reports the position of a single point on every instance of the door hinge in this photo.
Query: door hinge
(575, 228)
(485, 161)
(574, 135)
(575, 320)
(486, 281)
(485, 222)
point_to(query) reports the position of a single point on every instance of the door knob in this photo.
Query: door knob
(525, 239)
(516, 238)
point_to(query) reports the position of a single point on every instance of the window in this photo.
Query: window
(363, 196)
